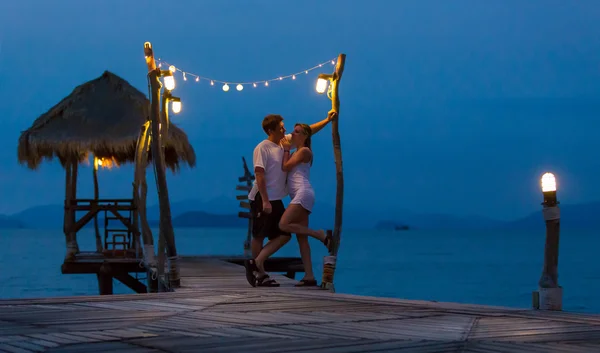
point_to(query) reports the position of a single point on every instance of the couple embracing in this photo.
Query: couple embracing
(280, 172)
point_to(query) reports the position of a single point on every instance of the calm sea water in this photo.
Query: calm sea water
(497, 268)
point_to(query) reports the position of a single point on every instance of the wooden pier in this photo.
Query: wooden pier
(215, 310)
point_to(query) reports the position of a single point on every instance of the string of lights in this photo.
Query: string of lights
(240, 84)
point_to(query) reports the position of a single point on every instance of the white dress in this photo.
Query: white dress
(299, 187)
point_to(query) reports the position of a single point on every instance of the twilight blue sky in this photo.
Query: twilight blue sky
(447, 106)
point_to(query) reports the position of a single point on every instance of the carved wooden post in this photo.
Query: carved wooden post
(140, 190)
(329, 262)
(248, 178)
(166, 226)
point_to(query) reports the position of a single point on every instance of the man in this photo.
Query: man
(266, 197)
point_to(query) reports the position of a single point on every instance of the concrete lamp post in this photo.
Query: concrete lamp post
(549, 295)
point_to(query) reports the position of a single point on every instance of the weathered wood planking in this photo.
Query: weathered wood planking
(216, 310)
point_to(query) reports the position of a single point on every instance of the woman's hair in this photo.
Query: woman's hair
(308, 133)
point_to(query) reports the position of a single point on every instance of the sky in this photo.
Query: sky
(446, 106)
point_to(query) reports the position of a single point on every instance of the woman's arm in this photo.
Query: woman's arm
(303, 155)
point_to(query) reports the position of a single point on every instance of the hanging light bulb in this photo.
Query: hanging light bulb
(197, 79)
(99, 162)
(172, 68)
(267, 83)
(212, 83)
(169, 80)
(225, 87)
(280, 78)
(254, 84)
(322, 84)
(293, 77)
(332, 62)
(239, 87)
(184, 78)
(176, 105)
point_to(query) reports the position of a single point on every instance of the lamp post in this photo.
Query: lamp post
(166, 234)
(550, 292)
(333, 81)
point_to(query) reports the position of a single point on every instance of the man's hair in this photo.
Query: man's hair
(271, 122)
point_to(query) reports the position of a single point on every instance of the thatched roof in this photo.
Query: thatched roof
(104, 117)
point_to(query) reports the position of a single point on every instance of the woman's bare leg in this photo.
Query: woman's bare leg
(305, 252)
(291, 222)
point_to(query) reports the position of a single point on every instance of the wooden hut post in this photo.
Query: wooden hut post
(67, 217)
(99, 245)
(166, 226)
(73, 215)
(69, 220)
(329, 262)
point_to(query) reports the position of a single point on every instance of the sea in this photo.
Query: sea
(480, 267)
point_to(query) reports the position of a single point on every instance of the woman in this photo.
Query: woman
(295, 217)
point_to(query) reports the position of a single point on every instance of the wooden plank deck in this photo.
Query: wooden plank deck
(215, 310)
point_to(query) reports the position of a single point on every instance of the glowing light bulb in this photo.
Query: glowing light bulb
(169, 82)
(99, 162)
(239, 87)
(176, 106)
(293, 77)
(225, 87)
(280, 78)
(306, 71)
(321, 85)
(212, 83)
(254, 84)
(159, 64)
(172, 68)
(197, 79)
(548, 182)
(332, 62)
(267, 83)
(184, 78)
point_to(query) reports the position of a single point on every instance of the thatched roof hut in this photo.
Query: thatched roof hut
(104, 117)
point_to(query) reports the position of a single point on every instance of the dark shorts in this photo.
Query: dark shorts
(266, 225)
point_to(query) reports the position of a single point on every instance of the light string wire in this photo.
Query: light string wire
(212, 81)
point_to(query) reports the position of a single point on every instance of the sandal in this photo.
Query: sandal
(266, 281)
(329, 241)
(306, 283)
(251, 267)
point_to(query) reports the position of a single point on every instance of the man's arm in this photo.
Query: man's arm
(259, 160)
(316, 127)
(261, 183)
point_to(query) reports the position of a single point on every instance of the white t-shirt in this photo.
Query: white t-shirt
(269, 156)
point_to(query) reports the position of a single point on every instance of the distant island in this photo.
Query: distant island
(223, 213)
(200, 219)
(8, 222)
(51, 216)
(391, 225)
